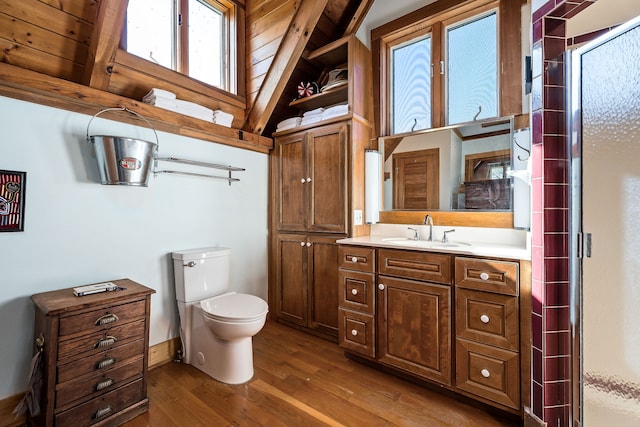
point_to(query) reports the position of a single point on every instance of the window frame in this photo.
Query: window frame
(437, 16)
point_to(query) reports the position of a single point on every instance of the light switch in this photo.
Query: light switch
(357, 217)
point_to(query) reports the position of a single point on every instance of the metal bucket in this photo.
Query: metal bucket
(122, 160)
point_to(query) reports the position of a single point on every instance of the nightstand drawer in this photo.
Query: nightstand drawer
(357, 291)
(487, 318)
(96, 342)
(103, 318)
(357, 332)
(357, 258)
(487, 275)
(488, 372)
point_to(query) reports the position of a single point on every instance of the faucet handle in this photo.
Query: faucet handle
(445, 239)
(415, 231)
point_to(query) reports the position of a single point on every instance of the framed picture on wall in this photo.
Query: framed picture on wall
(12, 198)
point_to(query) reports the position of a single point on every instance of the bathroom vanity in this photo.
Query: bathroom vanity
(456, 315)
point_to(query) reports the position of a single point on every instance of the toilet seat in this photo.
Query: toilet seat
(234, 308)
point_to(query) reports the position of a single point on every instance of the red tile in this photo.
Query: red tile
(556, 147)
(556, 171)
(554, 123)
(584, 38)
(556, 245)
(536, 365)
(537, 266)
(554, 73)
(557, 415)
(536, 127)
(536, 229)
(557, 344)
(557, 368)
(556, 220)
(556, 269)
(555, 318)
(536, 31)
(536, 331)
(557, 294)
(578, 9)
(556, 196)
(553, 47)
(554, 26)
(554, 98)
(537, 195)
(536, 400)
(543, 10)
(557, 393)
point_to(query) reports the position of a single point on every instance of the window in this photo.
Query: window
(192, 37)
(440, 66)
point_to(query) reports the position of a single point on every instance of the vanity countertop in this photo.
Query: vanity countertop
(493, 243)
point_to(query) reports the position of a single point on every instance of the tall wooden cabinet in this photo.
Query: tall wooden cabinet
(317, 182)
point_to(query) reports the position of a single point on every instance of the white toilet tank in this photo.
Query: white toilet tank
(201, 273)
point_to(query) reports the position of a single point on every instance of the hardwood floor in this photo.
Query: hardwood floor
(301, 380)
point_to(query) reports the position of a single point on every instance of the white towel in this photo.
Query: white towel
(310, 120)
(289, 123)
(169, 104)
(316, 112)
(222, 118)
(159, 93)
(335, 111)
(191, 108)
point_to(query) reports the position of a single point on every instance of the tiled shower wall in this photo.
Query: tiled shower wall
(551, 358)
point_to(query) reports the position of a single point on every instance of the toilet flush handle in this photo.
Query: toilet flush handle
(190, 264)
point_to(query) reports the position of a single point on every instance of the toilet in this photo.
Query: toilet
(216, 325)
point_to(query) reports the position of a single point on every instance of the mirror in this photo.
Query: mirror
(459, 167)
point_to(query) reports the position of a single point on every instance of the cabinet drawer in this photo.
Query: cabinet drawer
(357, 258)
(357, 332)
(102, 318)
(487, 318)
(102, 407)
(357, 290)
(99, 362)
(101, 340)
(415, 265)
(488, 372)
(487, 275)
(98, 384)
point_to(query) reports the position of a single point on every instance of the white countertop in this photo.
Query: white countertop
(486, 242)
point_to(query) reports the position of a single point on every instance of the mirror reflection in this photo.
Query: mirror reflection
(461, 167)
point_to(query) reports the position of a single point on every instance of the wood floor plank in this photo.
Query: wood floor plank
(302, 380)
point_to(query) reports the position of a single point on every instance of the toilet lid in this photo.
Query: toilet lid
(235, 306)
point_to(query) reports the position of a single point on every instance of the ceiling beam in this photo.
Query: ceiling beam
(358, 16)
(104, 43)
(284, 63)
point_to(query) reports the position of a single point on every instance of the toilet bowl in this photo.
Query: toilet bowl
(217, 326)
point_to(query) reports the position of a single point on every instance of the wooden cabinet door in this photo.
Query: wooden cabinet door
(292, 278)
(414, 327)
(327, 153)
(291, 178)
(322, 258)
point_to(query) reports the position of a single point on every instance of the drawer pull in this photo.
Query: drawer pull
(354, 291)
(484, 318)
(102, 412)
(106, 341)
(354, 259)
(302, 180)
(104, 384)
(484, 276)
(301, 243)
(107, 361)
(354, 332)
(308, 244)
(381, 287)
(107, 318)
(485, 373)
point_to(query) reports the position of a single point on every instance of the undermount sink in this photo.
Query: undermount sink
(398, 239)
(405, 241)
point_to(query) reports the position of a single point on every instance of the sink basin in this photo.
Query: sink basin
(398, 239)
(436, 244)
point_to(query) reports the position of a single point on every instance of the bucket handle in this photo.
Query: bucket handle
(129, 111)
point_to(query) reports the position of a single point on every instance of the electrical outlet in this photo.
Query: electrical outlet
(357, 217)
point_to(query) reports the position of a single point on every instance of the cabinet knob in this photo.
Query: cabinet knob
(354, 332)
(301, 243)
(485, 373)
(484, 318)
(302, 180)
(354, 291)
(381, 287)
(308, 179)
(308, 244)
(354, 259)
(484, 276)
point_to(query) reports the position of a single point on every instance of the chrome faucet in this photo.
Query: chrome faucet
(429, 221)
(445, 239)
(415, 231)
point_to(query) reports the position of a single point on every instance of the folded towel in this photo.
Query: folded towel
(221, 116)
(316, 112)
(159, 93)
(191, 108)
(169, 104)
(310, 120)
(292, 122)
(335, 111)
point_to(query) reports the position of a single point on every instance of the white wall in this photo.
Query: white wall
(78, 231)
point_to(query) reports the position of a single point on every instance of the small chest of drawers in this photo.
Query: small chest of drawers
(95, 355)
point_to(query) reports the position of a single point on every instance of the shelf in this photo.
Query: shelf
(323, 99)
(333, 54)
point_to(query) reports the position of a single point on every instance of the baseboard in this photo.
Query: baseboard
(159, 354)
(530, 419)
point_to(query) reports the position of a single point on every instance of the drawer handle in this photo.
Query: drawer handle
(107, 361)
(484, 276)
(381, 287)
(354, 292)
(106, 341)
(301, 243)
(484, 318)
(107, 318)
(354, 332)
(302, 180)
(354, 259)
(308, 244)
(102, 412)
(104, 384)
(485, 373)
